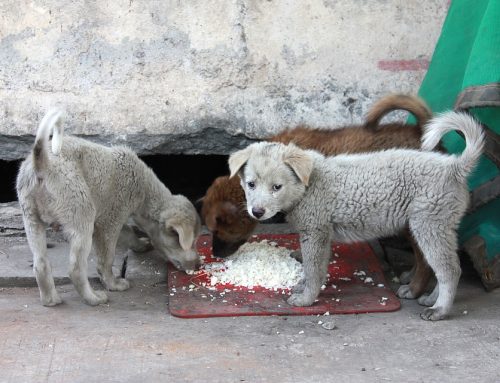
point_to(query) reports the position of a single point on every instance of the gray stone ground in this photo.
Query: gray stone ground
(134, 339)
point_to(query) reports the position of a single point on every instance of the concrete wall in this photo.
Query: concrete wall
(204, 76)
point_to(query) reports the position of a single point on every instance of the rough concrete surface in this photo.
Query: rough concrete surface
(133, 338)
(204, 76)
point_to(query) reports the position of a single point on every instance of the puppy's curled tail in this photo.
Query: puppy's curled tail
(51, 123)
(385, 105)
(472, 131)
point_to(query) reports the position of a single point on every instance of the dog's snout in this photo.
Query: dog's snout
(258, 212)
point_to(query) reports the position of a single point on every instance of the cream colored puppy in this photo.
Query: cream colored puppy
(91, 190)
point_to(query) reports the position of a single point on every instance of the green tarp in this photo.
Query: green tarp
(465, 73)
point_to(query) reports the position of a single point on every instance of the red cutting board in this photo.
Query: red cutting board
(345, 292)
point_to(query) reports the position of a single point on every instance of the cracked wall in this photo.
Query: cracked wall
(204, 76)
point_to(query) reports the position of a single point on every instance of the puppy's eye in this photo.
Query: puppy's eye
(251, 184)
(277, 187)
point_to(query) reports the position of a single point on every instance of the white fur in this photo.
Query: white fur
(365, 196)
(91, 191)
(446, 122)
(51, 123)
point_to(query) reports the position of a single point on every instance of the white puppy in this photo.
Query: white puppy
(358, 197)
(90, 191)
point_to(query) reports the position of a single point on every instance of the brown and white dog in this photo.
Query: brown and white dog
(224, 206)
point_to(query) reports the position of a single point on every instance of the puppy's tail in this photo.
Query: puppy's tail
(472, 131)
(51, 123)
(385, 105)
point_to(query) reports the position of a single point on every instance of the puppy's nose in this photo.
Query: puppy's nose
(258, 212)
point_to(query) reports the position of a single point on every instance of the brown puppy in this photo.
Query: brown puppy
(224, 212)
(223, 209)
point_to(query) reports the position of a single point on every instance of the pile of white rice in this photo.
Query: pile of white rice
(255, 264)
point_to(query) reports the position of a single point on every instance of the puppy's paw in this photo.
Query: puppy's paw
(51, 301)
(405, 292)
(299, 287)
(300, 300)
(432, 314)
(426, 300)
(99, 297)
(297, 255)
(406, 277)
(118, 284)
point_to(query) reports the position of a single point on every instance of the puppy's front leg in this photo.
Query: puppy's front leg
(316, 255)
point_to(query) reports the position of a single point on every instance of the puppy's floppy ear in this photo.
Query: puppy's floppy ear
(185, 232)
(238, 159)
(300, 161)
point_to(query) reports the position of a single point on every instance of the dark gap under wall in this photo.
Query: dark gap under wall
(189, 175)
(8, 173)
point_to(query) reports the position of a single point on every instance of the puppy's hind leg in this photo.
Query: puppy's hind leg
(105, 238)
(81, 244)
(35, 233)
(438, 243)
(316, 255)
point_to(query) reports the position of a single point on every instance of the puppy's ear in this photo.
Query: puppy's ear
(237, 160)
(185, 232)
(300, 161)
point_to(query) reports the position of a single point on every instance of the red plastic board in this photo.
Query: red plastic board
(346, 291)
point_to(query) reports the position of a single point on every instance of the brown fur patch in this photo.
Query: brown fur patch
(355, 139)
